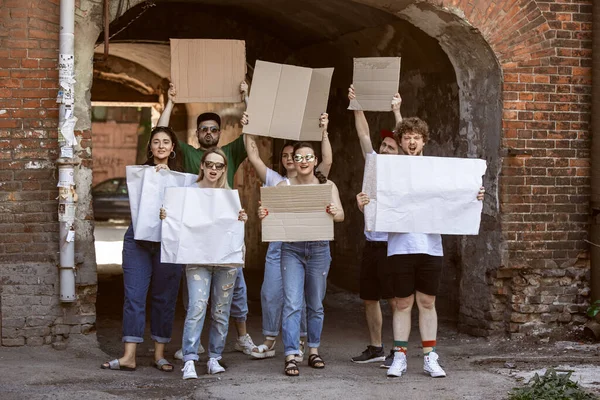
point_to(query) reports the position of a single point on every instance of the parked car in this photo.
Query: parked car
(111, 200)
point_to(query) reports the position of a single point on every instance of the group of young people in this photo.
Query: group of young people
(399, 267)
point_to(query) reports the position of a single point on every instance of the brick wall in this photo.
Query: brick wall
(29, 304)
(544, 48)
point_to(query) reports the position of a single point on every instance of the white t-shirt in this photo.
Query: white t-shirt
(273, 178)
(415, 243)
(376, 236)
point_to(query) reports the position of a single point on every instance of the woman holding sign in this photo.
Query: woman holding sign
(271, 293)
(142, 270)
(304, 269)
(208, 281)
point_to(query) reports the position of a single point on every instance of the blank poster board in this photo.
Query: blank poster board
(287, 101)
(146, 188)
(296, 213)
(419, 194)
(202, 227)
(208, 70)
(375, 81)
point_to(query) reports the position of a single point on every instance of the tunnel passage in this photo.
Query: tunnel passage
(450, 78)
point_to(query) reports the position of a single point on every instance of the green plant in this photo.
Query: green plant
(551, 386)
(593, 309)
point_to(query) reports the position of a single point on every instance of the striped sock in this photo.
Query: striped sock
(428, 346)
(400, 345)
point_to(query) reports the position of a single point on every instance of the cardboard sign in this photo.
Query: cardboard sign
(208, 70)
(202, 227)
(286, 101)
(375, 81)
(423, 194)
(296, 213)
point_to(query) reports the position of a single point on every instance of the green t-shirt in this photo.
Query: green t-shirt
(234, 151)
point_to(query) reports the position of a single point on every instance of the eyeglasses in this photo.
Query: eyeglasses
(301, 158)
(217, 165)
(212, 129)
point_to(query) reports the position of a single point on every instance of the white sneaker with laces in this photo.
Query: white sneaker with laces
(431, 366)
(245, 344)
(179, 353)
(214, 367)
(189, 370)
(398, 366)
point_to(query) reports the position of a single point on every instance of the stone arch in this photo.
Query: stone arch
(493, 39)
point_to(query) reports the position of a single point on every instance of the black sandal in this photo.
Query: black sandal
(291, 368)
(315, 361)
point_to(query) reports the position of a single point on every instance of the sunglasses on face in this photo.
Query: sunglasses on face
(301, 158)
(212, 129)
(217, 165)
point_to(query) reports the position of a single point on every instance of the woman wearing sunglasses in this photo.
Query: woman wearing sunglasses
(271, 294)
(304, 269)
(143, 271)
(205, 281)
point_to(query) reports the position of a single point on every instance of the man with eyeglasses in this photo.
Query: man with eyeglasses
(208, 131)
(374, 256)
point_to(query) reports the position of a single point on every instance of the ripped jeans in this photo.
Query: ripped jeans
(204, 282)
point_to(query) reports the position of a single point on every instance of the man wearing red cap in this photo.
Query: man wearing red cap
(375, 249)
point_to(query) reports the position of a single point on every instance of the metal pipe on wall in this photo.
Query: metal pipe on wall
(66, 163)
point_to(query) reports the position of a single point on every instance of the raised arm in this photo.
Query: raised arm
(362, 127)
(166, 114)
(252, 150)
(244, 92)
(326, 152)
(396, 103)
(335, 209)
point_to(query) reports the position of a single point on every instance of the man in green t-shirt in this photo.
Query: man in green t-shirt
(208, 130)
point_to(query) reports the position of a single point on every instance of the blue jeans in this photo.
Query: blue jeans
(239, 305)
(304, 269)
(271, 294)
(204, 282)
(142, 270)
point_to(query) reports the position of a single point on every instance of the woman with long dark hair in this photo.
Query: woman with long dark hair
(143, 271)
(271, 293)
(304, 269)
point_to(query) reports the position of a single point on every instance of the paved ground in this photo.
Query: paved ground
(476, 367)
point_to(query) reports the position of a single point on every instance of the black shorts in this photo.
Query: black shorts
(408, 273)
(372, 270)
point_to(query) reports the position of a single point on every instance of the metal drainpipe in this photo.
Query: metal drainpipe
(67, 198)
(595, 155)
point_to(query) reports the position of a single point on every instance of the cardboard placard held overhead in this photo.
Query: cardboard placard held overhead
(296, 213)
(375, 81)
(286, 101)
(208, 70)
(431, 195)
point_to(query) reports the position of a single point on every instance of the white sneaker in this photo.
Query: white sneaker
(245, 344)
(214, 367)
(398, 366)
(431, 366)
(189, 370)
(179, 353)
